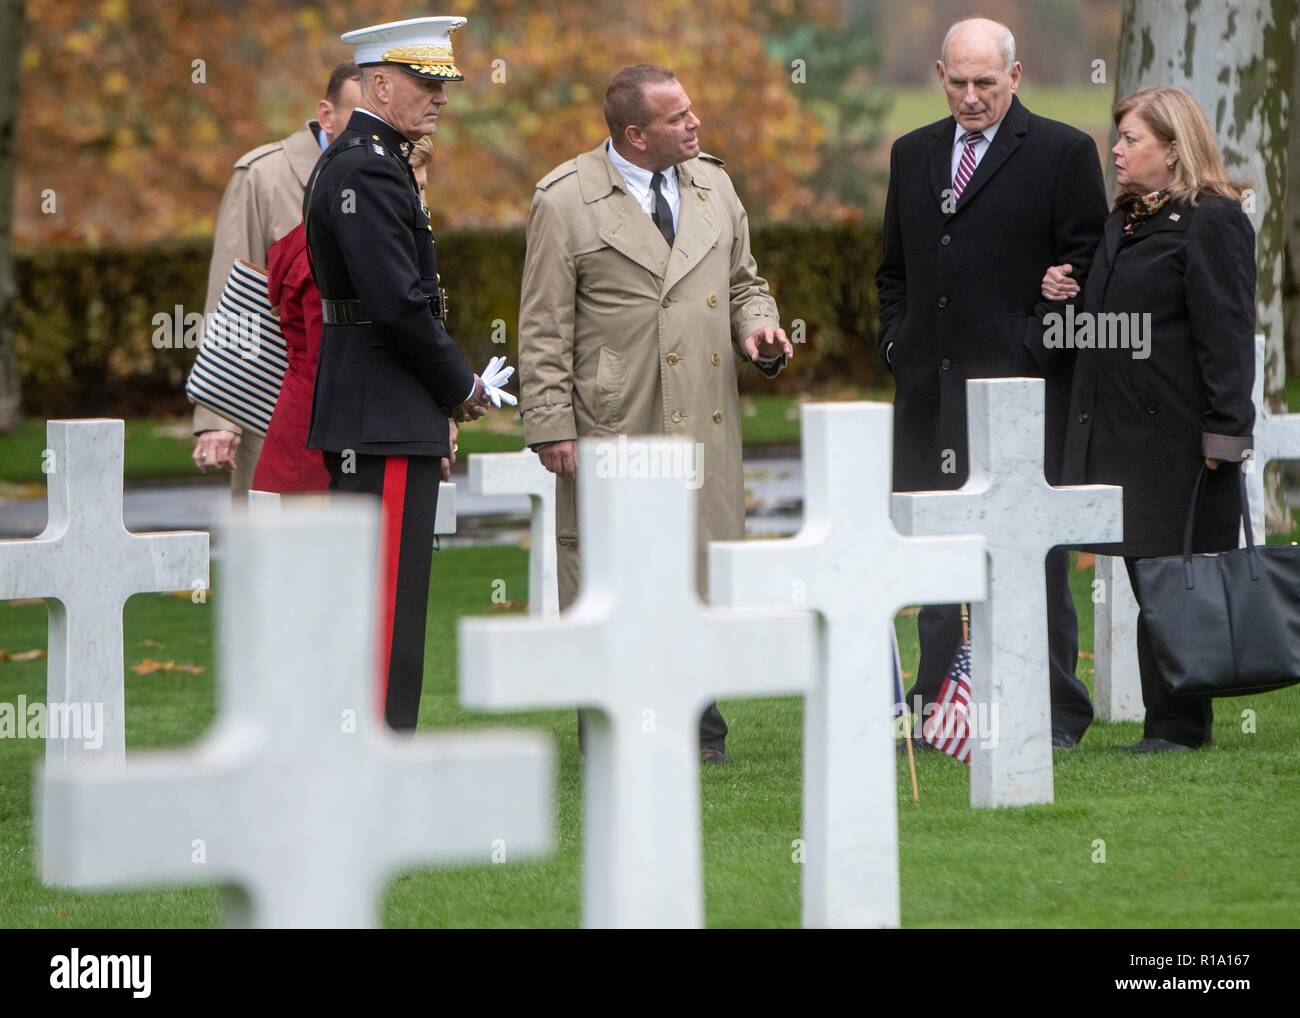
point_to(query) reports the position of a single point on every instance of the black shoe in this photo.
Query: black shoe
(711, 755)
(1157, 746)
(1060, 740)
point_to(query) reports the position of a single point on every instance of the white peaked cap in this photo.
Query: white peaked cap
(420, 46)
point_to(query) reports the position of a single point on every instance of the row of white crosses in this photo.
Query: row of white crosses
(88, 564)
(1117, 682)
(641, 648)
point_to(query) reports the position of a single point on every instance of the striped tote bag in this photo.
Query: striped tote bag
(241, 361)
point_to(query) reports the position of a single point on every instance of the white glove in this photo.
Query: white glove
(495, 375)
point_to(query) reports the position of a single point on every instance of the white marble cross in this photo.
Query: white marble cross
(1007, 499)
(1117, 682)
(640, 648)
(522, 473)
(89, 564)
(1277, 437)
(299, 795)
(849, 565)
(262, 503)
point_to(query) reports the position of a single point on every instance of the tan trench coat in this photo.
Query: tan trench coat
(618, 335)
(263, 202)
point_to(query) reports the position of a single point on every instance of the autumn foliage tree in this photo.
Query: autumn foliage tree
(133, 113)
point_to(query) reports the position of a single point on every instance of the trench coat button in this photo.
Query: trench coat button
(717, 416)
(716, 360)
(713, 300)
(677, 417)
(1083, 418)
(667, 301)
(945, 364)
(701, 195)
(943, 302)
(1152, 408)
(945, 240)
(672, 359)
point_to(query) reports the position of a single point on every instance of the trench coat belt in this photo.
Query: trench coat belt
(353, 312)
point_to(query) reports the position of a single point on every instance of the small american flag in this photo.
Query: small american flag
(948, 727)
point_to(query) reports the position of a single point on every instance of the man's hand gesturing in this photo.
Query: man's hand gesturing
(768, 342)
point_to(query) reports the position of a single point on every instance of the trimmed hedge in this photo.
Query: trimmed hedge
(86, 333)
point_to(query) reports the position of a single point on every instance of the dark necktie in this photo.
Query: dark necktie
(663, 215)
(966, 168)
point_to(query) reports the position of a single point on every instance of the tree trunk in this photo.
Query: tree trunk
(11, 48)
(1291, 294)
(1239, 61)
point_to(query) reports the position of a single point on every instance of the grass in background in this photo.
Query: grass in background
(1200, 839)
(1086, 107)
(160, 450)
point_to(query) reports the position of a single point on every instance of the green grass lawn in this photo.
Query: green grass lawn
(1202, 839)
(1087, 107)
(160, 450)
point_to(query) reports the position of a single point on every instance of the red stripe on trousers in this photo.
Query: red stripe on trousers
(394, 502)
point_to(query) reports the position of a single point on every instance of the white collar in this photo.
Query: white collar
(988, 132)
(635, 175)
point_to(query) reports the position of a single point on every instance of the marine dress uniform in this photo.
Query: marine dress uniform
(389, 374)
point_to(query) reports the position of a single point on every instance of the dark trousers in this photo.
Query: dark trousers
(1184, 719)
(939, 632)
(713, 730)
(408, 489)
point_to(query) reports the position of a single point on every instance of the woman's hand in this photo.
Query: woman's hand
(1212, 464)
(1057, 284)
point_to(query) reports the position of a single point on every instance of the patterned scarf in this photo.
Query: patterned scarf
(1138, 208)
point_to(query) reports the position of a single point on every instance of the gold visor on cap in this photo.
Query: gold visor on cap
(424, 59)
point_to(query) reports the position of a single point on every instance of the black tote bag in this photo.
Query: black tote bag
(1225, 623)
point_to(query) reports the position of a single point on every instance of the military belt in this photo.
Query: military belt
(353, 312)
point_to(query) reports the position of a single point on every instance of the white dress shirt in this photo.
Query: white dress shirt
(638, 184)
(959, 143)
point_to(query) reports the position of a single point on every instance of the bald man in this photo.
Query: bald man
(980, 205)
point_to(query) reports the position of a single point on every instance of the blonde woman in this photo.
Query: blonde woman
(1177, 262)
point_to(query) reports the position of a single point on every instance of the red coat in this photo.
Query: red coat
(286, 464)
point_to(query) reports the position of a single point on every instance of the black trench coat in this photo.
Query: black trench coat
(960, 293)
(1148, 424)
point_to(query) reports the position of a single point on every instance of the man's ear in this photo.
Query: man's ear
(938, 69)
(324, 110)
(635, 137)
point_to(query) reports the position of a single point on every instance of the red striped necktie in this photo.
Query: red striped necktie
(966, 168)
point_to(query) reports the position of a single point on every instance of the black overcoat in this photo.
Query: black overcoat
(960, 293)
(1148, 423)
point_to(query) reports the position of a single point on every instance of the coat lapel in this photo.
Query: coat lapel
(303, 152)
(697, 226)
(941, 158)
(1114, 229)
(624, 225)
(1005, 142)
